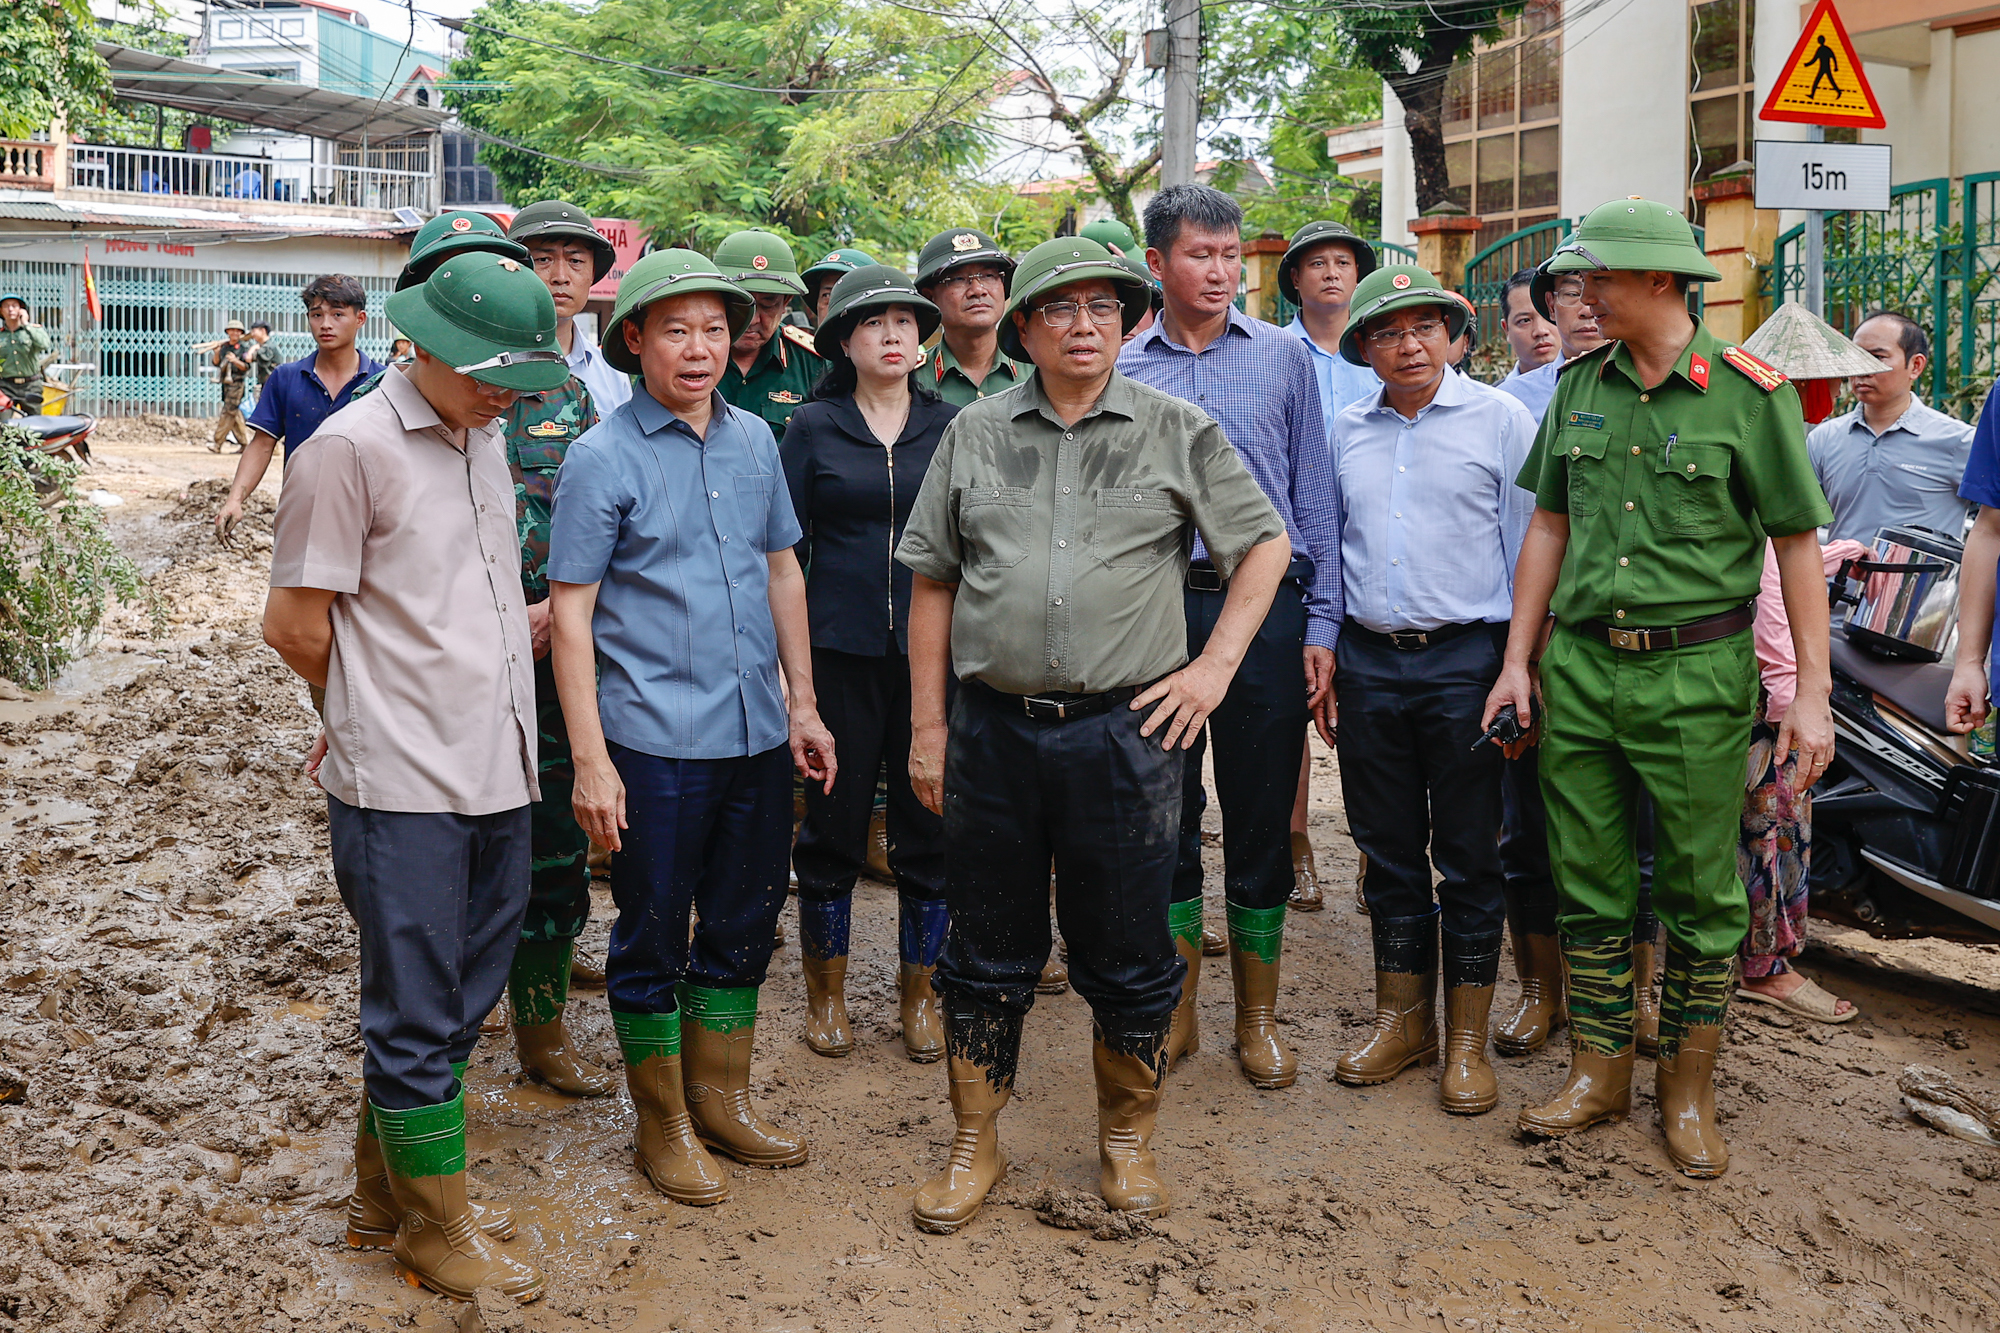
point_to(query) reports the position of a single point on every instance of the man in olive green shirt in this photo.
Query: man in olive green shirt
(965, 274)
(1050, 544)
(25, 351)
(772, 365)
(1664, 461)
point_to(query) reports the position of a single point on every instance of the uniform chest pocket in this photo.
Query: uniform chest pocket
(1136, 529)
(996, 522)
(1691, 485)
(1588, 477)
(753, 504)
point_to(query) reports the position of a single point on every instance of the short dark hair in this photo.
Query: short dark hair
(1910, 335)
(840, 379)
(1520, 281)
(334, 289)
(1202, 206)
(260, 324)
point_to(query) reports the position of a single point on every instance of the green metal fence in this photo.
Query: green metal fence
(1486, 273)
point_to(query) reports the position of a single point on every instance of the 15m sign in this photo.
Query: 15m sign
(1829, 176)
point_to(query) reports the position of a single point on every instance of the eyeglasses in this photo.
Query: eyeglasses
(1425, 330)
(1062, 314)
(508, 359)
(992, 277)
(1566, 297)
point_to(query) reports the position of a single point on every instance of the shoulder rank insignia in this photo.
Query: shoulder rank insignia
(1765, 377)
(786, 397)
(798, 337)
(923, 355)
(548, 430)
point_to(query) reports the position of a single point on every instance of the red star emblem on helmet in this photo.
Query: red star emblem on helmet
(760, 263)
(1400, 281)
(461, 224)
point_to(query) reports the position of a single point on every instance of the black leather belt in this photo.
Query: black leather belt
(1203, 576)
(1652, 639)
(1412, 640)
(1061, 707)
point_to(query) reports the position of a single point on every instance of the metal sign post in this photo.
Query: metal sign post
(1816, 243)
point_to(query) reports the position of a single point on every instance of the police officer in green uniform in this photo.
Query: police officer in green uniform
(819, 278)
(450, 234)
(568, 256)
(772, 364)
(25, 351)
(1666, 459)
(965, 274)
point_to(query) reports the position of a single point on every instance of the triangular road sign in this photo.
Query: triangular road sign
(1822, 82)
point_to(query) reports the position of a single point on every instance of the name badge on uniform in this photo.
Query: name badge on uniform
(785, 396)
(1593, 420)
(544, 430)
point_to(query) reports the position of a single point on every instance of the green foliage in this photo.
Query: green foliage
(694, 159)
(48, 66)
(57, 565)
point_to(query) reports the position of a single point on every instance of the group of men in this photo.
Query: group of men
(545, 592)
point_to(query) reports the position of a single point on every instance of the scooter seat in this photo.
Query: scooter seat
(47, 428)
(1918, 688)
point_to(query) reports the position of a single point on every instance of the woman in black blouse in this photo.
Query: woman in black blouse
(855, 456)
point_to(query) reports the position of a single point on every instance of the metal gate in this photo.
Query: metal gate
(1486, 273)
(1388, 254)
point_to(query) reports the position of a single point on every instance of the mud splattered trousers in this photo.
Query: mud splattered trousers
(230, 425)
(559, 873)
(708, 836)
(1104, 804)
(436, 901)
(1774, 857)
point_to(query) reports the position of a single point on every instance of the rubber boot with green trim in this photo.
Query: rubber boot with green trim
(1599, 1088)
(439, 1244)
(538, 990)
(982, 1049)
(371, 1209)
(1256, 941)
(1406, 980)
(1694, 1001)
(667, 1149)
(1184, 1036)
(718, 1027)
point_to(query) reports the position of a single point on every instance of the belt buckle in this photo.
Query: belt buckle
(1029, 702)
(1629, 639)
(1204, 580)
(1409, 640)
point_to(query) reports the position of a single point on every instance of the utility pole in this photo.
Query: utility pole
(1816, 244)
(1177, 127)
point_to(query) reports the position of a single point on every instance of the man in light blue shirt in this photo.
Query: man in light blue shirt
(1431, 523)
(571, 256)
(1576, 330)
(1317, 275)
(1891, 461)
(676, 600)
(1531, 335)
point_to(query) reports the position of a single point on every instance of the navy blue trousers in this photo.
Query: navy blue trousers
(707, 835)
(437, 902)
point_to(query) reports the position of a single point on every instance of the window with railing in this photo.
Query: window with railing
(1502, 137)
(465, 181)
(158, 171)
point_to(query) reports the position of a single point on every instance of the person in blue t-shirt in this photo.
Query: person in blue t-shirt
(300, 394)
(1966, 703)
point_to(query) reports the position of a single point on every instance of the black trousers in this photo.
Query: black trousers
(1524, 853)
(1259, 736)
(437, 902)
(865, 702)
(1412, 780)
(1100, 801)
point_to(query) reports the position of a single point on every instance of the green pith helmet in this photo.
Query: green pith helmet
(1633, 234)
(757, 261)
(1319, 233)
(450, 234)
(870, 287)
(1058, 263)
(487, 316)
(662, 274)
(554, 220)
(960, 246)
(1108, 232)
(1398, 288)
(836, 263)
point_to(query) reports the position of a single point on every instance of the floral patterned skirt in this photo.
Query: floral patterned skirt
(1774, 856)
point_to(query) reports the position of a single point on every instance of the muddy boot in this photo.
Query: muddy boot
(439, 1244)
(1214, 943)
(1406, 1032)
(495, 1022)
(371, 1209)
(1538, 962)
(538, 988)
(823, 930)
(920, 938)
(584, 974)
(718, 1028)
(668, 1153)
(1256, 940)
(1129, 1071)
(1361, 886)
(1467, 1086)
(1184, 1036)
(878, 847)
(1307, 895)
(1645, 976)
(1693, 1005)
(1054, 979)
(1599, 1087)
(983, 1049)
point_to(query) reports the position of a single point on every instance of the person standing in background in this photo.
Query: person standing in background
(964, 273)
(231, 358)
(264, 358)
(1531, 336)
(26, 350)
(574, 258)
(772, 364)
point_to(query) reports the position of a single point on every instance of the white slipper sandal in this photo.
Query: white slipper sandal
(1808, 1001)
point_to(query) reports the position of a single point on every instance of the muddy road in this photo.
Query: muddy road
(179, 1074)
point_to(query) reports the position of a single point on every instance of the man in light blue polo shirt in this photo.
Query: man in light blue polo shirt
(1318, 274)
(676, 599)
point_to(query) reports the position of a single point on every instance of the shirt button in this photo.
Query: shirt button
(1575, 450)
(1395, 562)
(1401, 469)
(1690, 467)
(1623, 561)
(725, 536)
(1635, 448)
(1070, 436)
(715, 495)
(1055, 661)
(1628, 504)
(1065, 490)
(1620, 614)
(1399, 513)
(1645, 397)
(1058, 601)
(1062, 544)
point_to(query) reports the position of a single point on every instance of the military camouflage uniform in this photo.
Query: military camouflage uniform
(780, 378)
(540, 429)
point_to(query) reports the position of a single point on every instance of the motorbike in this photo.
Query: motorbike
(65, 436)
(1906, 820)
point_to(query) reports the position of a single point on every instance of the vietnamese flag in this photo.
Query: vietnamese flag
(90, 301)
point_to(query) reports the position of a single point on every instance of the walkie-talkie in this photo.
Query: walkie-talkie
(1506, 726)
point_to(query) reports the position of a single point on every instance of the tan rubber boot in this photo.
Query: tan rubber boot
(1128, 1106)
(667, 1149)
(1184, 1033)
(953, 1197)
(585, 974)
(1542, 1009)
(1307, 894)
(828, 1031)
(1599, 1088)
(1256, 943)
(548, 1058)
(1406, 1031)
(538, 983)
(438, 1243)
(1054, 979)
(1685, 1089)
(1466, 1085)
(371, 1209)
(923, 1020)
(1214, 943)
(1645, 999)
(718, 1028)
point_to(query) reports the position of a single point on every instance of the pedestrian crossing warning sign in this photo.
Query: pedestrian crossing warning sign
(1822, 82)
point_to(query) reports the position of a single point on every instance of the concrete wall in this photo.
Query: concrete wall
(1624, 102)
(1399, 173)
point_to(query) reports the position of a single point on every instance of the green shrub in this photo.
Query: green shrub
(58, 564)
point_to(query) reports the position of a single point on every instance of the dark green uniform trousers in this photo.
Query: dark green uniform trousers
(1675, 723)
(558, 873)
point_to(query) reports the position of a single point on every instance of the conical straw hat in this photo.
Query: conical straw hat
(1806, 347)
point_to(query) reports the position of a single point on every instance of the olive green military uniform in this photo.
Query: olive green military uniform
(779, 379)
(953, 385)
(23, 353)
(966, 247)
